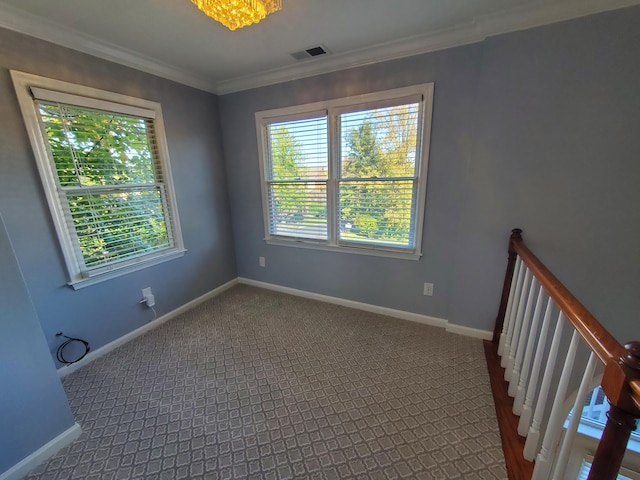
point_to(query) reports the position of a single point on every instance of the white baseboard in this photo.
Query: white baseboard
(367, 307)
(469, 332)
(49, 449)
(91, 356)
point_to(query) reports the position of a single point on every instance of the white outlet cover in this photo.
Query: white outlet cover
(262, 261)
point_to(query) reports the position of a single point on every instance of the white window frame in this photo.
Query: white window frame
(332, 109)
(64, 92)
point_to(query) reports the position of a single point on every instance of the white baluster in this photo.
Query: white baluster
(514, 295)
(569, 436)
(526, 364)
(508, 373)
(527, 408)
(544, 459)
(524, 334)
(533, 437)
(511, 306)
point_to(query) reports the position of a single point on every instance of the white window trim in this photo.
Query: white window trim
(91, 97)
(331, 108)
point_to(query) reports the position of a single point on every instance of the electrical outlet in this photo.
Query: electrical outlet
(262, 261)
(148, 297)
(428, 289)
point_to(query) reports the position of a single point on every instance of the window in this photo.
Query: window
(348, 174)
(104, 165)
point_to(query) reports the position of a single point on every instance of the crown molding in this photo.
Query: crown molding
(34, 26)
(525, 17)
(477, 30)
(438, 40)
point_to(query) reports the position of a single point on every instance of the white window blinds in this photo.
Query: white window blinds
(378, 183)
(104, 165)
(110, 182)
(624, 474)
(297, 178)
(349, 174)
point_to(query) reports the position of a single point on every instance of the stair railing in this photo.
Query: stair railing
(534, 310)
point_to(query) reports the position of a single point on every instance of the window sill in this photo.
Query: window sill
(372, 251)
(118, 272)
(593, 430)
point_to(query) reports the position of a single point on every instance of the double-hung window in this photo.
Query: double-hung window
(348, 174)
(103, 162)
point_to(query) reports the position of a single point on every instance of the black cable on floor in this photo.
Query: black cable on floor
(59, 354)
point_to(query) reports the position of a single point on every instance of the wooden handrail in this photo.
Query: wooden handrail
(622, 365)
(635, 388)
(601, 342)
(621, 378)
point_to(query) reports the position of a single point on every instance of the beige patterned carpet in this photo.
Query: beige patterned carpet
(261, 385)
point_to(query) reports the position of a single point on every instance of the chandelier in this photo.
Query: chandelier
(238, 13)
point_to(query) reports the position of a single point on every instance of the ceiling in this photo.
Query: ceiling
(173, 39)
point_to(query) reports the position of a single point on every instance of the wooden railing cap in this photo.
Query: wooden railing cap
(622, 363)
(632, 357)
(606, 347)
(621, 378)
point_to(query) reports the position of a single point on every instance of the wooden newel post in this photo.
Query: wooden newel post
(516, 235)
(620, 424)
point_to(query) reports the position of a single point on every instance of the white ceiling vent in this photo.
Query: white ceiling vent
(310, 52)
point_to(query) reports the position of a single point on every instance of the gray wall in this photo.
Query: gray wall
(558, 154)
(33, 407)
(536, 129)
(104, 312)
(382, 281)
